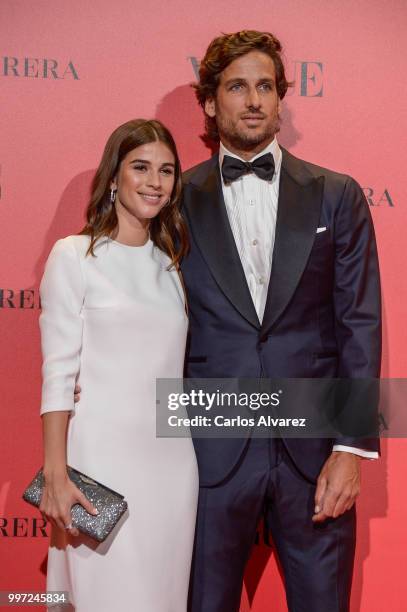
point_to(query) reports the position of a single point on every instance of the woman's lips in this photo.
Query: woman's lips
(150, 197)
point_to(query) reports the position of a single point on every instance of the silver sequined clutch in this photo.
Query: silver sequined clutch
(111, 505)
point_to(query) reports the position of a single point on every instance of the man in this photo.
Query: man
(282, 281)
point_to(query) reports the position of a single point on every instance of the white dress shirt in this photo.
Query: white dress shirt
(251, 205)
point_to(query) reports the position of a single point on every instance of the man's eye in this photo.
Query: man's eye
(266, 87)
(236, 87)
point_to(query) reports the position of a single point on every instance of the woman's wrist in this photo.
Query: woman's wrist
(53, 473)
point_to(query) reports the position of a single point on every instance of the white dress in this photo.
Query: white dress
(115, 323)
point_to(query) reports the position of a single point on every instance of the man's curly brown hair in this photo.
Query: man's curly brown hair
(221, 52)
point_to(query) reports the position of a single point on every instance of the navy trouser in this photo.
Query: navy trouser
(317, 560)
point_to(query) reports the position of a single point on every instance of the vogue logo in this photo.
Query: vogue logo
(34, 68)
(27, 299)
(378, 198)
(307, 77)
(23, 527)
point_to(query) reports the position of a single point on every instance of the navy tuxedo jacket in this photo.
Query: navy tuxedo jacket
(323, 311)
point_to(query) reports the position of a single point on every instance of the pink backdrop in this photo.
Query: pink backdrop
(70, 72)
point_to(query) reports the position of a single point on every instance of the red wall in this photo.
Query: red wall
(93, 65)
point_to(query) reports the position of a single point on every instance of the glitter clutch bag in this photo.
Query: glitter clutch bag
(111, 505)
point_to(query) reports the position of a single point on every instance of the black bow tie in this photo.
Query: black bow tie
(233, 168)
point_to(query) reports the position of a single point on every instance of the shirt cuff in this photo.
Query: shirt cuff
(356, 451)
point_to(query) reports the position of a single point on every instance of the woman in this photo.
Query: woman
(113, 319)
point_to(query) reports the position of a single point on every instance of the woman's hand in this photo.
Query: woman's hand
(58, 497)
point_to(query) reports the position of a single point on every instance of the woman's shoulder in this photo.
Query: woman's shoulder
(65, 263)
(72, 244)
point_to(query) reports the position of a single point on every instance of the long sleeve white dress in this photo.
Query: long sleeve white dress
(115, 323)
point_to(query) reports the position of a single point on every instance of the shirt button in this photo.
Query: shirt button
(251, 202)
(254, 242)
(261, 280)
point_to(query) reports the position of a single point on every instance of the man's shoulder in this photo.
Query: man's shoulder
(304, 171)
(199, 173)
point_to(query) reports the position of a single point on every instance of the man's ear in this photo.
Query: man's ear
(210, 107)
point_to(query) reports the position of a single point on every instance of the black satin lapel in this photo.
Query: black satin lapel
(298, 214)
(212, 233)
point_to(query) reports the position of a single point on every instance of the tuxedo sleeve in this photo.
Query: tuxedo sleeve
(357, 304)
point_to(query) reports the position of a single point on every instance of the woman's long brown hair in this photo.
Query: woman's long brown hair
(167, 230)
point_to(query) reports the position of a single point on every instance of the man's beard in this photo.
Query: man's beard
(245, 141)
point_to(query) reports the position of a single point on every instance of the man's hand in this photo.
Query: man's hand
(338, 486)
(77, 393)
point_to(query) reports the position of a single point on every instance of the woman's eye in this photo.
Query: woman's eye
(167, 171)
(140, 167)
